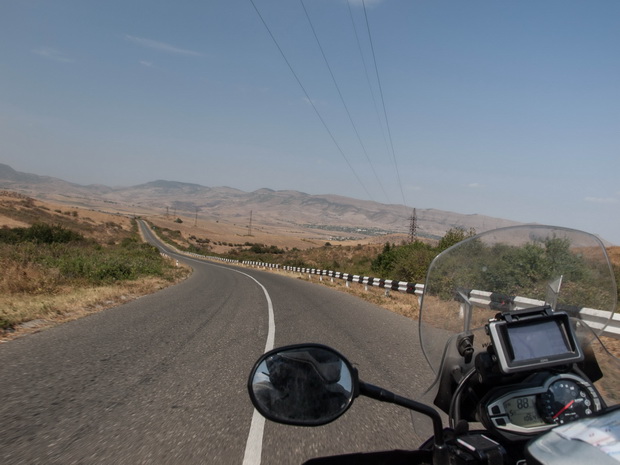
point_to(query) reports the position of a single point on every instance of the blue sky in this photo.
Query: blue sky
(503, 108)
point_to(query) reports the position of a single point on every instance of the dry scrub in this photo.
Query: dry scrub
(40, 311)
(58, 265)
(34, 311)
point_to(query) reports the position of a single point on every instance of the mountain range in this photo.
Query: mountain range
(287, 208)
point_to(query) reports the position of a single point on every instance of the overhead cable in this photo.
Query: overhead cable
(372, 94)
(310, 100)
(342, 99)
(400, 184)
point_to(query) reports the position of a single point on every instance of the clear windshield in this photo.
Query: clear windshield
(512, 269)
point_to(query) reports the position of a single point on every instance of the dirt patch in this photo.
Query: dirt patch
(18, 210)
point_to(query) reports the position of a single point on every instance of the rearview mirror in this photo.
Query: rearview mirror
(304, 385)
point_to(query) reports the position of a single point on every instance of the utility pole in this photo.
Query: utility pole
(413, 227)
(196, 218)
(250, 225)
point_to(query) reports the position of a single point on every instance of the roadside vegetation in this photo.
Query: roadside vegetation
(402, 262)
(51, 271)
(407, 261)
(60, 263)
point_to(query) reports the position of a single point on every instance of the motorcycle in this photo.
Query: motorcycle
(512, 322)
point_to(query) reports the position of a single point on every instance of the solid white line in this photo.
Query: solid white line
(254, 444)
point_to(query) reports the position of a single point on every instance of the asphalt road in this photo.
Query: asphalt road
(163, 379)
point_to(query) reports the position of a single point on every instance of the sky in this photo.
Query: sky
(504, 108)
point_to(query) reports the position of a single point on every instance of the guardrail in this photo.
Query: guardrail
(595, 319)
(387, 284)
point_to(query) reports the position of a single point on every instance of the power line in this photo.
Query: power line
(310, 100)
(342, 98)
(372, 94)
(400, 184)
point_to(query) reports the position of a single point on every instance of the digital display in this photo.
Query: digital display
(522, 412)
(544, 339)
(534, 342)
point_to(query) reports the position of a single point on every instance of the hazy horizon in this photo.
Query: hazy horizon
(509, 110)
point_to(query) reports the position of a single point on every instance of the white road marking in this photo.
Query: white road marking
(254, 444)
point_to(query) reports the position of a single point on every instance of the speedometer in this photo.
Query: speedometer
(539, 404)
(566, 401)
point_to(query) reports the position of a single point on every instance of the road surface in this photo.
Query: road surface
(163, 379)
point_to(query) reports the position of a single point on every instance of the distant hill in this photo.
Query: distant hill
(290, 208)
(44, 186)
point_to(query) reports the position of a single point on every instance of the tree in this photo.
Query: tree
(454, 236)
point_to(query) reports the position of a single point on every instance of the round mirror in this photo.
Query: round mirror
(305, 385)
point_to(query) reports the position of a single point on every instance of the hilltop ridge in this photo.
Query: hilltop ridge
(326, 214)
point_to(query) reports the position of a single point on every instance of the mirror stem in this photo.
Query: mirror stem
(383, 395)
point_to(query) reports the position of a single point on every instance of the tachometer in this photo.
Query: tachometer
(566, 401)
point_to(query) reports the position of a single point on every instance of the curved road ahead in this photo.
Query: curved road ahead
(163, 379)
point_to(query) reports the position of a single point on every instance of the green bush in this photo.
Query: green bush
(77, 260)
(40, 233)
(410, 262)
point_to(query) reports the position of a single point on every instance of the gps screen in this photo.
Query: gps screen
(542, 339)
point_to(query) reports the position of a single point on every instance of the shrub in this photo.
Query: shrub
(39, 233)
(53, 259)
(410, 262)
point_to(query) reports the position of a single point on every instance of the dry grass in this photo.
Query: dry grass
(20, 211)
(38, 312)
(397, 302)
(223, 232)
(34, 297)
(614, 255)
(25, 278)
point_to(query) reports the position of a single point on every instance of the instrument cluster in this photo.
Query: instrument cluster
(528, 410)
